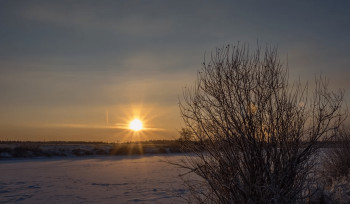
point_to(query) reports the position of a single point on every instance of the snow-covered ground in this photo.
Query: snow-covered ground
(107, 179)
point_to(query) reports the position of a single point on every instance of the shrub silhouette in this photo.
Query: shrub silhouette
(254, 134)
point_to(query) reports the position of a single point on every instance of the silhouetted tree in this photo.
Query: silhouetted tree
(256, 135)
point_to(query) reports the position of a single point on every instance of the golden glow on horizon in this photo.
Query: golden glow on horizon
(135, 125)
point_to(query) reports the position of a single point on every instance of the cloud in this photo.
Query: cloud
(84, 16)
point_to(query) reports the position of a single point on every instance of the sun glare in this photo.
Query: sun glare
(135, 125)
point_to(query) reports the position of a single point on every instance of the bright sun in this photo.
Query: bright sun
(135, 125)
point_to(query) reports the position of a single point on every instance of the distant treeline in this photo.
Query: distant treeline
(28, 149)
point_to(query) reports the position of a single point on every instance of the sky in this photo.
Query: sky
(82, 70)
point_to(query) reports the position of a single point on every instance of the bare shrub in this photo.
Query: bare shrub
(253, 134)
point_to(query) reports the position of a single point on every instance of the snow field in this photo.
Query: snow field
(107, 179)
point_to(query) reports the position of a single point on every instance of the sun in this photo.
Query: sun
(135, 125)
